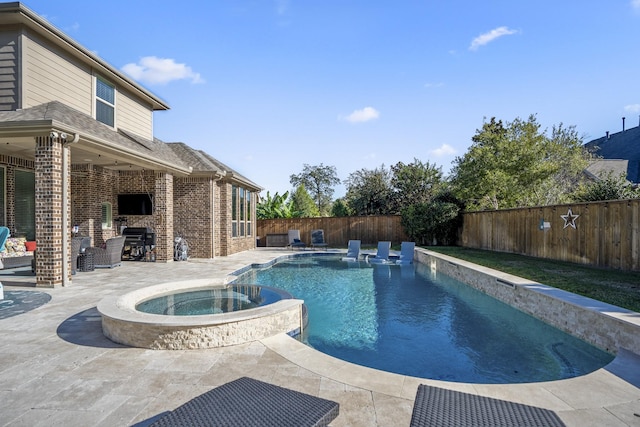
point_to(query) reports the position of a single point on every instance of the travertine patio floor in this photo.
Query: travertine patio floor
(57, 369)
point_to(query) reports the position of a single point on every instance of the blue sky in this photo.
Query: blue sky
(267, 86)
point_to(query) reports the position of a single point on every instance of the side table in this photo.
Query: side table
(86, 261)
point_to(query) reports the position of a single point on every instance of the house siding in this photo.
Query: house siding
(50, 75)
(9, 93)
(133, 116)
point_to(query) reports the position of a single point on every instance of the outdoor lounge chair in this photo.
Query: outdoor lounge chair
(109, 256)
(317, 239)
(382, 256)
(406, 253)
(353, 251)
(249, 402)
(294, 240)
(440, 407)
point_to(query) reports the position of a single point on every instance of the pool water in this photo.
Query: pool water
(211, 301)
(405, 320)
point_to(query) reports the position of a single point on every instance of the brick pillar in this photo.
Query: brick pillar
(163, 216)
(49, 227)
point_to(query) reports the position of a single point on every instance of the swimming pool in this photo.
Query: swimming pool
(406, 320)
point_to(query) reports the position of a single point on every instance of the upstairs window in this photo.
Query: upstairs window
(105, 102)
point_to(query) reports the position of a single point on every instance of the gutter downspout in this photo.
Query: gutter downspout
(66, 153)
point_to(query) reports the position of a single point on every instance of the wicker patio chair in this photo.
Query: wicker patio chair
(249, 402)
(109, 256)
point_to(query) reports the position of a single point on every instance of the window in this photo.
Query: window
(25, 209)
(234, 211)
(105, 102)
(107, 219)
(248, 198)
(240, 212)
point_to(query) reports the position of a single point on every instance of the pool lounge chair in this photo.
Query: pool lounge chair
(406, 253)
(353, 251)
(294, 240)
(249, 402)
(382, 256)
(436, 406)
(317, 239)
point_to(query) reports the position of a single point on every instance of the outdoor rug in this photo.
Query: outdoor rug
(249, 402)
(440, 407)
(19, 302)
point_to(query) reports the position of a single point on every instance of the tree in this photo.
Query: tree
(303, 204)
(275, 207)
(319, 182)
(517, 165)
(340, 208)
(435, 222)
(414, 183)
(608, 187)
(369, 192)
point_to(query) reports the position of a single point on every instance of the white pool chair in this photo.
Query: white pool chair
(382, 256)
(406, 253)
(353, 251)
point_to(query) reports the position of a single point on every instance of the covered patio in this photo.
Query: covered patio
(64, 169)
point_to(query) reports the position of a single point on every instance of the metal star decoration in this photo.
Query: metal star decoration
(569, 219)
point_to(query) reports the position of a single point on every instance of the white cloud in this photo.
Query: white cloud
(490, 36)
(632, 108)
(433, 85)
(154, 70)
(364, 115)
(635, 4)
(443, 150)
(282, 6)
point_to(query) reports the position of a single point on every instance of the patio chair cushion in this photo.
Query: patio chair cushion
(440, 407)
(249, 402)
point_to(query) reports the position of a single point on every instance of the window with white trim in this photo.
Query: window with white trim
(107, 216)
(105, 102)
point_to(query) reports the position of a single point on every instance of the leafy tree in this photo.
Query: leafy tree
(275, 207)
(319, 182)
(608, 187)
(369, 192)
(303, 204)
(517, 164)
(414, 183)
(435, 222)
(340, 208)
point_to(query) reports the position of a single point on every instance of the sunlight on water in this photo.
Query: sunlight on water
(407, 320)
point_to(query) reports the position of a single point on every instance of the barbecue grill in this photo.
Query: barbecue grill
(138, 242)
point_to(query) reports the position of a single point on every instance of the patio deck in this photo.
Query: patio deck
(58, 369)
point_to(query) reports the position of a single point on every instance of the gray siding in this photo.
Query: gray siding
(9, 93)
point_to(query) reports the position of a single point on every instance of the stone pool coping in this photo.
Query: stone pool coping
(603, 325)
(123, 324)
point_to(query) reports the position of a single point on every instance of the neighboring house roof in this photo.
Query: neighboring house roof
(203, 163)
(93, 133)
(623, 145)
(601, 167)
(18, 13)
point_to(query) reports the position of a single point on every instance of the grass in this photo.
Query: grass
(620, 288)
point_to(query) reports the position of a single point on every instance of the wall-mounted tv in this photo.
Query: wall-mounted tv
(135, 204)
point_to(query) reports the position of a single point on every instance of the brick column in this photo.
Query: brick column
(163, 216)
(49, 227)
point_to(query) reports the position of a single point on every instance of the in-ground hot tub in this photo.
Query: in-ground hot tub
(233, 314)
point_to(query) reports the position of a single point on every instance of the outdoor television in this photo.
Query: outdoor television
(135, 204)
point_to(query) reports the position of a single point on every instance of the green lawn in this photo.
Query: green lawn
(621, 288)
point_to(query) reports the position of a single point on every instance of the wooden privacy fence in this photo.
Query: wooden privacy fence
(337, 230)
(604, 234)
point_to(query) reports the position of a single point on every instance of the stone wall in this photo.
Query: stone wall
(607, 327)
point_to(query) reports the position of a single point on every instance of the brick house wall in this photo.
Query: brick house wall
(193, 214)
